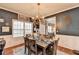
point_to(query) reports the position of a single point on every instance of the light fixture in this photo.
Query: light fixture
(38, 16)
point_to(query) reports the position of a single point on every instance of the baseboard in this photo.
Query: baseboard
(66, 50)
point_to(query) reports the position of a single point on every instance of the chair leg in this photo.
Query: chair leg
(36, 49)
(29, 52)
(55, 50)
(1, 52)
(25, 49)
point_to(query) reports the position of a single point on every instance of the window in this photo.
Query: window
(42, 28)
(28, 28)
(21, 28)
(18, 28)
(50, 29)
(51, 25)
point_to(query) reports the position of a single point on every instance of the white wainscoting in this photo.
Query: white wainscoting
(67, 41)
(11, 41)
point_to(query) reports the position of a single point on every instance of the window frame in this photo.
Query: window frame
(28, 29)
(16, 29)
(20, 29)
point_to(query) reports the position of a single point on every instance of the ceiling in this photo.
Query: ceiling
(30, 9)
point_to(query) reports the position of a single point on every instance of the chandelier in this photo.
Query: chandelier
(38, 17)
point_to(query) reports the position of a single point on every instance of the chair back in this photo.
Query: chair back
(26, 44)
(50, 49)
(32, 46)
(2, 45)
(55, 46)
(26, 41)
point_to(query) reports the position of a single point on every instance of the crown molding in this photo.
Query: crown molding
(62, 11)
(13, 11)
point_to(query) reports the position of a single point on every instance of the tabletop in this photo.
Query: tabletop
(44, 43)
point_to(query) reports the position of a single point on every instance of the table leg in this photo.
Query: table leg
(35, 49)
(25, 48)
(44, 51)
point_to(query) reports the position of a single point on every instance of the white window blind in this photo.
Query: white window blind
(49, 29)
(17, 28)
(28, 28)
(21, 28)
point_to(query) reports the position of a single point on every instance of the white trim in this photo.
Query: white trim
(64, 10)
(12, 11)
(70, 8)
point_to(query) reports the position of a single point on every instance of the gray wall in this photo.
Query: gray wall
(7, 16)
(71, 26)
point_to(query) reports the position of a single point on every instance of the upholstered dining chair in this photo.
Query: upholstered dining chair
(32, 47)
(55, 46)
(2, 45)
(26, 44)
(52, 48)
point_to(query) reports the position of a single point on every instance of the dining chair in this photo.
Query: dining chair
(40, 50)
(26, 44)
(32, 47)
(52, 48)
(2, 45)
(55, 46)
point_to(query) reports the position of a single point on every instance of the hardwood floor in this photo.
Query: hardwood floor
(9, 51)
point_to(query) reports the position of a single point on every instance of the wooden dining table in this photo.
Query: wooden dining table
(44, 43)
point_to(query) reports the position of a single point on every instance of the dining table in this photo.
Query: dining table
(44, 43)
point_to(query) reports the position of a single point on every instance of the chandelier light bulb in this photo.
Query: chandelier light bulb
(32, 17)
(42, 17)
(36, 16)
